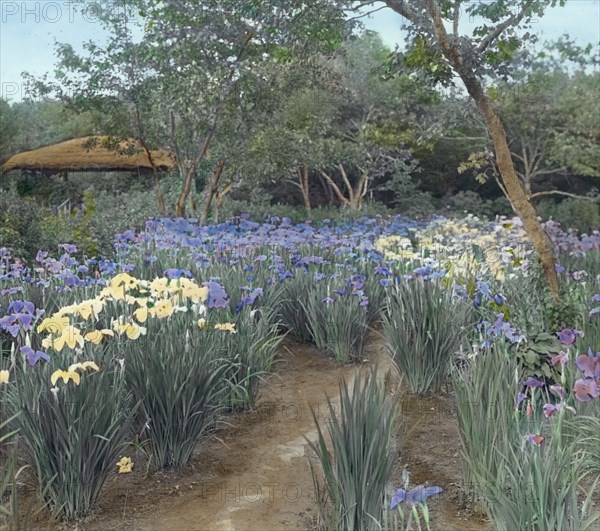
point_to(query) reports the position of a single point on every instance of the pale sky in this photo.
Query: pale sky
(29, 28)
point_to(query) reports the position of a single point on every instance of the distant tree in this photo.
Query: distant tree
(437, 46)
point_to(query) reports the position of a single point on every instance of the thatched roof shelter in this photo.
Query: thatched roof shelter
(92, 153)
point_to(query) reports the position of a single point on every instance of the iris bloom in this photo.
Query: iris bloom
(4, 377)
(163, 309)
(34, 356)
(125, 465)
(585, 390)
(131, 330)
(89, 308)
(226, 327)
(53, 324)
(95, 336)
(417, 495)
(66, 376)
(70, 336)
(534, 438)
(568, 335)
(83, 366)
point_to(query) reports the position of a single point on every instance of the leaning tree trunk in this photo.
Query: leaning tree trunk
(506, 168)
(212, 190)
(512, 185)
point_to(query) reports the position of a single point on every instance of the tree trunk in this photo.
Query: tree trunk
(212, 189)
(160, 196)
(452, 51)
(189, 178)
(512, 185)
(303, 180)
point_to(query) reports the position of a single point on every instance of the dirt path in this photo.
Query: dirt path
(256, 476)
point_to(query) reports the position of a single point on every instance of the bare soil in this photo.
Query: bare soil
(254, 474)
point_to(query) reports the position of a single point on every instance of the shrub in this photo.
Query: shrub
(423, 326)
(337, 319)
(71, 433)
(176, 374)
(357, 469)
(19, 224)
(578, 214)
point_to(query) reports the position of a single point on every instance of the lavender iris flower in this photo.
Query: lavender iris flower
(417, 495)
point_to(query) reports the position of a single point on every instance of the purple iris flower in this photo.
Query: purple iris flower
(585, 390)
(561, 357)
(34, 356)
(217, 296)
(520, 398)
(568, 335)
(558, 390)
(177, 273)
(9, 324)
(589, 364)
(532, 383)
(327, 300)
(417, 495)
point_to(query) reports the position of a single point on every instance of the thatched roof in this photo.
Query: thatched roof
(92, 153)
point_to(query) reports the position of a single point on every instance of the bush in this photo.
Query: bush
(423, 326)
(578, 214)
(71, 433)
(357, 468)
(472, 203)
(19, 224)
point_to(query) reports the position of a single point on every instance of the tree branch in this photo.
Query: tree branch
(558, 192)
(497, 31)
(335, 188)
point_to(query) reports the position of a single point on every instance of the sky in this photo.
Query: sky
(29, 29)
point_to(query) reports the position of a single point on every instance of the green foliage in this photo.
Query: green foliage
(291, 310)
(248, 354)
(472, 203)
(578, 214)
(521, 485)
(357, 464)
(72, 436)
(339, 327)
(177, 374)
(485, 396)
(423, 327)
(535, 357)
(19, 224)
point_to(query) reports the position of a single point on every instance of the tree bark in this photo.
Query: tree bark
(512, 185)
(302, 172)
(504, 162)
(212, 190)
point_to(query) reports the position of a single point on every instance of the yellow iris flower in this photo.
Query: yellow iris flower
(192, 291)
(159, 285)
(66, 376)
(123, 280)
(226, 327)
(202, 323)
(141, 314)
(53, 324)
(4, 377)
(96, 336)
(90, 307)
(163, 309)
(125, 465)
(70, 336)
(83, 366)
(131, 330)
